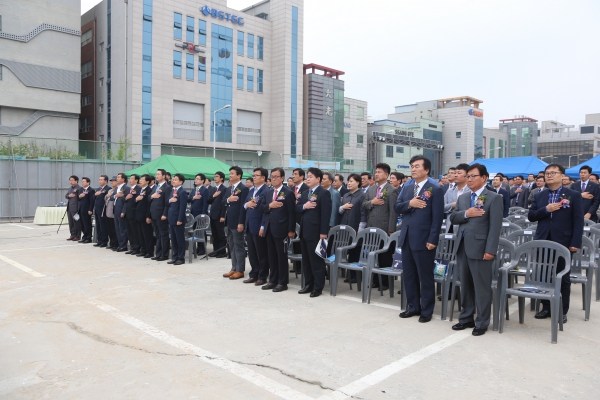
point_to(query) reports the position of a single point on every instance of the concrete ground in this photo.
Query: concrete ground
(78, 322)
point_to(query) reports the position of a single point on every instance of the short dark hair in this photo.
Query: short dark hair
(451, 169)
(85, 178)
(540, 177)
(355, 177)
(519, 176)
(480, 168)
(249, 179)
(105, 177)
(221, 175)
(180, 177)
(530, 175)
(74, 177)
(300, 171)
(136, 177)
(263, 172)
(340, 177)
(383, 166)
(463, 166)
(329, 175)
(208, 179)
(147, 177)
(238, 170)
(122, 175)
(317, 173)
(280, 170)
(169, 174)
(201, 175)
(596, 175)
(500, 174)
(398, 175)
(560, 168)
(162, 171)
(368, 174)
(426, 162)
(589, 169)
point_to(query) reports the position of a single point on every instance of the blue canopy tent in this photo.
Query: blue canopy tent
(573, 172)
(513, 166)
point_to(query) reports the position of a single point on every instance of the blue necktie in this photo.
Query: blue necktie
(473, 198)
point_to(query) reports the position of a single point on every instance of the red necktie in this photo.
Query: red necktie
(274, 194)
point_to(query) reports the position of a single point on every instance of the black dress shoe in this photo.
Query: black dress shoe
(155, 258)
(305, 290)
(81, 241)
(316, 293)
(280, 288)
(179, 262)
(162, 259)
(269, 286)
(408, 314)
(148, 256)
(543, 314)
(129, 252)
(86, 241)
(424, 318)
(103, 245)
(172, 262)
(461, 326)
(221, 256)
(140, 255)
(135, 253)
(564, 318)
(479, 331)
(97, 245)
(122, 249)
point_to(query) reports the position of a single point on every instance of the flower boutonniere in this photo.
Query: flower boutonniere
(383, 195)
(255, 199)
(565, 201)
(238, 191)
(175, 193)
(426, 195)
(313, 198)
(133, 191)
(479, 202)
(280, 196)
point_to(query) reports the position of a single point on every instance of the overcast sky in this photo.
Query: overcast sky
(521, 57)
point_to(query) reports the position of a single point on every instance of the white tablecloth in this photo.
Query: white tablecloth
(49, 215)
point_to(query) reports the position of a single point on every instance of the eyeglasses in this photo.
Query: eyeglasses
(472, 176)
(552, 173)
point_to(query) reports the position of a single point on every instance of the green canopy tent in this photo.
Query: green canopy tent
(188, 166)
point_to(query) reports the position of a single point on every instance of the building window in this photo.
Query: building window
(101, 46)
(176, 64)
(86, 69)
(587, 129)
(346, 139)
(86, 100)
(250, 84)
(513, 142)
(458, 135)
(259, 82)
(101, 82)
(259, 47)
(501, 148)
(389, 151)
(457, 154)
(189, 29)
(101, 108)
(201, 32)
(221, 82)
(201, 69)
(177, 26)
(189, 67)
(492, 147)
(348, 162)
(360, 113)
(250, 45)
(240, 77)
(360, 139)
(294, 86)
(346, 110)
(399, 149)
(86, 37)
(240, 43)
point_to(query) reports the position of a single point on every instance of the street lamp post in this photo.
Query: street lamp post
(215, 129)
(574, 156)
(542, 158)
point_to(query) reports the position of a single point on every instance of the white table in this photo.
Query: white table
(49, 215)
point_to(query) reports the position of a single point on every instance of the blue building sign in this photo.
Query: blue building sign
(206, 10)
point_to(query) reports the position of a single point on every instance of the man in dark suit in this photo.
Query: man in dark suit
(72, 197)
(199, 203)
(233, 215)
(338, 184)
(216, 226)
(142, 210)
(590, 193)
(315, 207)
(158, 215)
(298, 176)
(177, 218)
(136, 247)
(109, 213)
(479, 216)
(558, 222)
(120, 225)
(279, 223)
(86, 208)
(99, 205)
(519, 194)
(421, 204)
(497, 187)
(207, 184)
(450, 177)
(257, 243)
(540, 182)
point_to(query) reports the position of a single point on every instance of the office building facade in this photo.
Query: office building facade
(522, 134)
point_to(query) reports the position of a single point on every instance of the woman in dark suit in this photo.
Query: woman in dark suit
(353, 214)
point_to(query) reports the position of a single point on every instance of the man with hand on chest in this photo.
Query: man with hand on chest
(130, 207)
(99, 206)
(144, 227)
(120, 224)
(232, 215)
(86, 208)
(216, 226)
(159, 205)
(72, 197)
(590, 193)
(199, 204)
(257, 243)
(177, 218)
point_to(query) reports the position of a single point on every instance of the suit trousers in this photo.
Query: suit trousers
(86, 224)
(74, 226)
(178, 242)
(112, 232)
(218, 236)
(237, 250)
(475, 289)
(565, 288)
(121, 229)
(161, 232)
(135, 240)
(313, 266)
(102, 229)
(418, 279)
(257, 253)
(278, 261)
(146, 237)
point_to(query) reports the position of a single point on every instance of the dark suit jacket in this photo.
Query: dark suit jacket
(73, 202)
(216, 202)
(131, 204)
(253, 216)
(120, 201)
(357, 214)
(160, 206)
(234, 212)
(142, 209)
(523, 197)
(87, 202)
(383, 217)
(424, 224)
(302, 188)
(211, 189)
(589, 205)
(505, 199)
(564, 226)
(177, 209)
(199, 206)
(100, 200)
(344, 190)
(315, 222)
(279, 221)
(445, 187)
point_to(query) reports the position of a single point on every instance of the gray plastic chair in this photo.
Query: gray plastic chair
(446, 250)
(507, 228)
(339, 236)
(517, 211)
(588, 222)
(542, 260)
(295, 257)
(389, 271)
(523, 223)
(594, 234)
(504, 255)
(582, 260)
(200, 224)
(373, 242)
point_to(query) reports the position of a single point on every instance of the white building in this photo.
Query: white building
(40, 76)
(164, 68)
